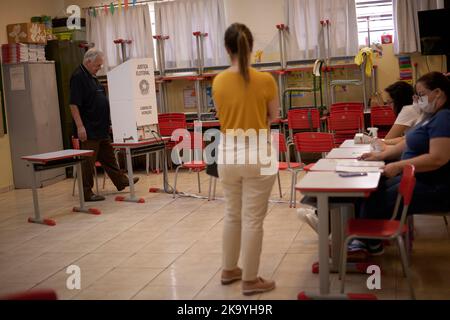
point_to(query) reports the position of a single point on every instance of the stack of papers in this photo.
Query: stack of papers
(359, 166)
(15, 53)
(36, 52)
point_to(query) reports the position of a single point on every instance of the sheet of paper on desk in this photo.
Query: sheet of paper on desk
(360, 163)
(341, 168)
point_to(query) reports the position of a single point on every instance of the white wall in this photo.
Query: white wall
(16, 11)
(261, 16)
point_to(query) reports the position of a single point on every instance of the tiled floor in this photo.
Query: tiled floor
(171, 249)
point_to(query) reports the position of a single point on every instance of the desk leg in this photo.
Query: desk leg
(324, 271)
(167, 188)
(324, 262)
(82, 207)
(37, 214)
(132, 197)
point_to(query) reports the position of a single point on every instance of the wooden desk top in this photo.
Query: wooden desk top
(57, 155)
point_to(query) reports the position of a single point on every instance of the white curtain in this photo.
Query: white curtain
(306, 38)
(190, 16)
(131, 24)
(406, 23)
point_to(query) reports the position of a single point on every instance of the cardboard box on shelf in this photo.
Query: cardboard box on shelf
(26, 33)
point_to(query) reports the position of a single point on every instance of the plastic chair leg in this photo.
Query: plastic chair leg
(406, 271)
(279, 184)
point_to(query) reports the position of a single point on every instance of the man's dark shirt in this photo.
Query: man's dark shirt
(89, 96)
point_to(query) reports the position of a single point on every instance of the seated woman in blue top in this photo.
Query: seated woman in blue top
(427, 147)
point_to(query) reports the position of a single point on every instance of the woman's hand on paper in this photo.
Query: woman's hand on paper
(371, 156)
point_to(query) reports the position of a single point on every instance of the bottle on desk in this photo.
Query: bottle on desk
(376, 144)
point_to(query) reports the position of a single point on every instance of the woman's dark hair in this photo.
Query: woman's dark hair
(239, 42)
(436, 80)
(401, 94)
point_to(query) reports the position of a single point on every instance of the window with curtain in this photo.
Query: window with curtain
(306, 40)
(406, 23)
(133, 23)
(374, 19)
(190, 16)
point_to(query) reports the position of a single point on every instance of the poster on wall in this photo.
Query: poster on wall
(189, 98)
(17, 76)
(406, 71)
(209, 98)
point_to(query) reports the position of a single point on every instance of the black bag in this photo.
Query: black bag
(211, 169)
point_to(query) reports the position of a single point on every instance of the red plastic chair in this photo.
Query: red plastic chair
(312, 142)
(383, 118)
(347, 106)
(357, 107)
(385, 229)
(168, 123)
(344, 125)
(76, 146)
(303, 119)
(195, 145)
(293, 167)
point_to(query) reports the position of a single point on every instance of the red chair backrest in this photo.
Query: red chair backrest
(407, 184)
(75, 143)
(168, 122)
(304, 118)
(191, 141)
(282, 148)
(345, 121)
(316, 142)
(382, 116)
(347, 106)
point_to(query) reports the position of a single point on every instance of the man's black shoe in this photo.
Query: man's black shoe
(94, 197)
(127, 184)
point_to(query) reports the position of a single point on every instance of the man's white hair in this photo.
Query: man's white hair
(92, 54)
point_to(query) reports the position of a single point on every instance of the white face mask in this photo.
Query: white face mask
(425, 106)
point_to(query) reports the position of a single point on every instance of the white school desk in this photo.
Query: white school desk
(334, 164)
(324, 185)
(346, 153)
(351, 144)
(52, 160)
(137, 148)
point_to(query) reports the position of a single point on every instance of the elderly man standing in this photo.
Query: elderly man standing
(90, 110)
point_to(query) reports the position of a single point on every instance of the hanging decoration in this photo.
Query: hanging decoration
(134, 3)
(111, 8)
(119, 6)
(106, 9)
(94, 12)
(125, 4)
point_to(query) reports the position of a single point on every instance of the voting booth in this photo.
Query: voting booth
(132, 97)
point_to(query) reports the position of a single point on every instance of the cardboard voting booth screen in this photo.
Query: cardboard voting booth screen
(132, 97)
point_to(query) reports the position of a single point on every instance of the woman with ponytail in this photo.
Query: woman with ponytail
(246, 102)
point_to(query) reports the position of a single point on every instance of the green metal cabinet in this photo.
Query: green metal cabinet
(68, 55)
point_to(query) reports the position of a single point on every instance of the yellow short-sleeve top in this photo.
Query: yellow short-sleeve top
(243, 105)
